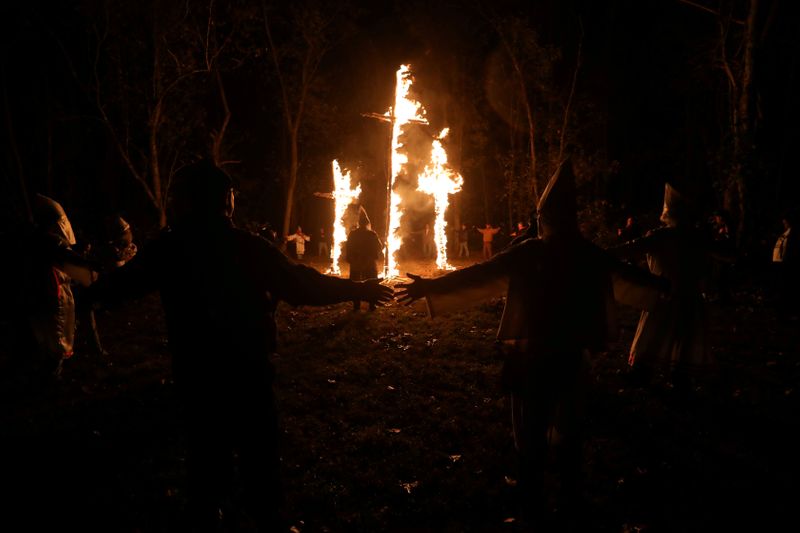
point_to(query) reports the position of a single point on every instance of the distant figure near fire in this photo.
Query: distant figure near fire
(560, 290)
(220, 287)
(488, 233)
(673, 334)
(462, 239)
(363, 250)
(300, 239)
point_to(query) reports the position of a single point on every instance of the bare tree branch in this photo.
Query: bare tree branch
(274, 52)
(701, 7)
(571, 95)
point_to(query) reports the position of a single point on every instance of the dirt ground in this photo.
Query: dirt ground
(395, 422)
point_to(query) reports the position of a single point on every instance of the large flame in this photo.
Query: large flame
(440, 181)
(343, 196)
(404, 111)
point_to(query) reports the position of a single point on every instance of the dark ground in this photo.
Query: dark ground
(394, 422)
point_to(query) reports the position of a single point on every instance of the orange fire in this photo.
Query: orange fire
(404, 111)
(343, 196)
(440, 181)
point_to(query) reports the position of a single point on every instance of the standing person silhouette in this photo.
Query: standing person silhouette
(428, 243)
(220, 287)
(323, 245)
(672, 335)
(300, 239)
(560, 290)
(488, 233)
(462, 238)
(362, 250)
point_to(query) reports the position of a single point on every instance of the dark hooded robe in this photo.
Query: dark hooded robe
(363, 249)
(220, 287)
(560, 292)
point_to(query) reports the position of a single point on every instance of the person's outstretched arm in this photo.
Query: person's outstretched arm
(299, 284)
(495, 269)
(133, 280)
(636, 247)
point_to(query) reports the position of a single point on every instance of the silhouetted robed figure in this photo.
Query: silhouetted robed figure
(672, 335)
(363, 250)
(219, 287)
(559, 308)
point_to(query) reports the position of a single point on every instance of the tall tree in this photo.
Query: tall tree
(738, 37)
(298, 38)
(148, 107)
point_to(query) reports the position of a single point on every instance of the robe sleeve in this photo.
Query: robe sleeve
(636, 287)
(299, 284)
(475, 284)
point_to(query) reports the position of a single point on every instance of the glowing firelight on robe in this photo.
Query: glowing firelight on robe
(404, 111)
(440, 181)
(343, 196)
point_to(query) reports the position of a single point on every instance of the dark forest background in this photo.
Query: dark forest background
(104, 100)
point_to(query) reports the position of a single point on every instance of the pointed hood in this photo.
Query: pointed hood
(558, 206)
(676, 208)
(363, 218)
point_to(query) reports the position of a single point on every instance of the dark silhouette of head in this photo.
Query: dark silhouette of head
(557, 212)
(788, 219)
(200, 190)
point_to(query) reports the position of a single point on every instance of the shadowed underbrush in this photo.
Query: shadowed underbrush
(395, 422)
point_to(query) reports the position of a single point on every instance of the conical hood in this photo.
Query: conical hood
(363, 218)
(676, 208)
(558, 206)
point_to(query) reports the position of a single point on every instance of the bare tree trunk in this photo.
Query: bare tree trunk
(155, 168)
(568, 106)
(523, 90)
(219, 136)
(744, 134)
(512, 163)
(532, 144)
(155, 121)
(485, 196)
(293, 158)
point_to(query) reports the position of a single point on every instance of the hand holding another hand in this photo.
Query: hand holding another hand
(409, 292)
(372, 291)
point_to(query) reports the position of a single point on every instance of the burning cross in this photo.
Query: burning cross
(440, 181)
(404, 111)
(437, 179)
(343, 195)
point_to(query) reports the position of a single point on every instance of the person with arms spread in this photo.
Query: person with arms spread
(220, 287)
(559, 308)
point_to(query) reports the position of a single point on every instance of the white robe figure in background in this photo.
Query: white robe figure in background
(300, 239)
(672, 335)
